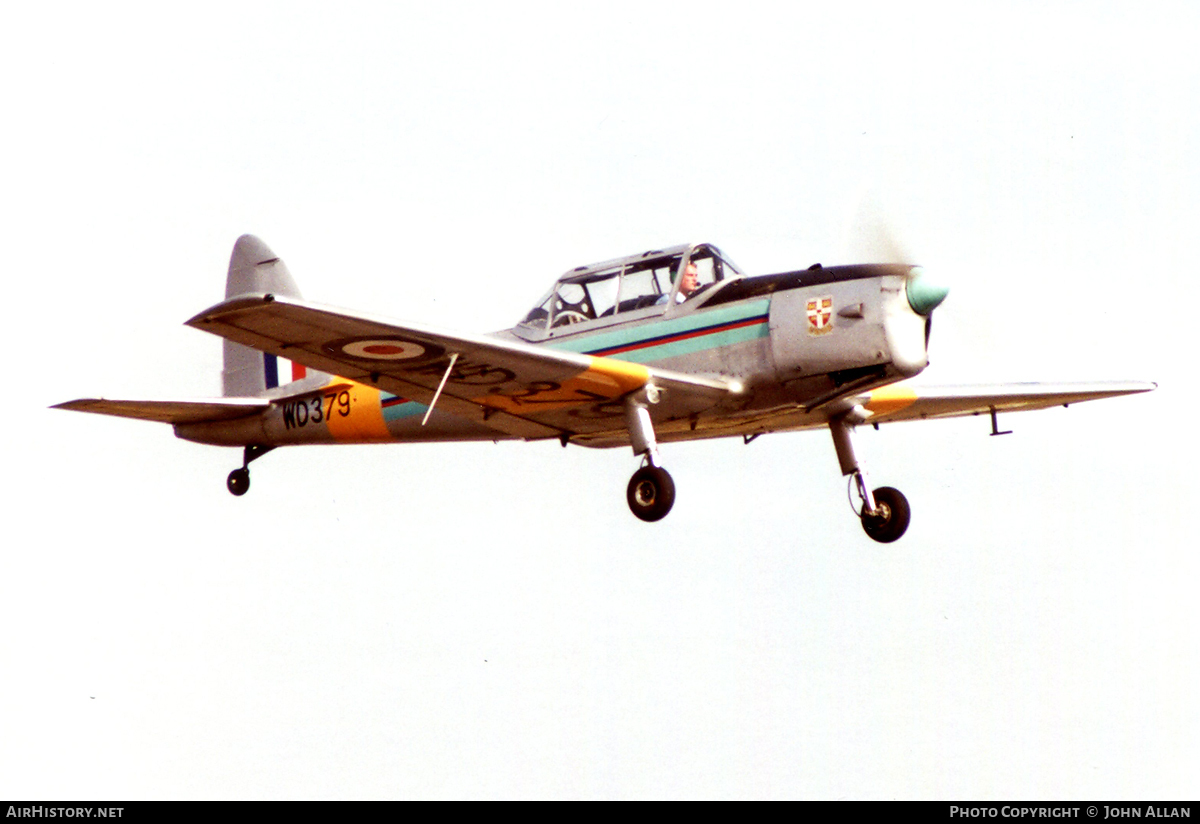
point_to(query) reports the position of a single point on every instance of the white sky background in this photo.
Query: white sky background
(489, 620)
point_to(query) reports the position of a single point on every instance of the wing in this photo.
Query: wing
(907, 402)
(514, 387)
(226, 409)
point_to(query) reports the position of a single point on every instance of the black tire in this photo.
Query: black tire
(238, 481)
(651, 493)
(893, 519)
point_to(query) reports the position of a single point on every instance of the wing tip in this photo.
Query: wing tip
(230, 305)
(77, 405)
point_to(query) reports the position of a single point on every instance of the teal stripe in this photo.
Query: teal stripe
(627, 336)
(689, 346)
(400, 410)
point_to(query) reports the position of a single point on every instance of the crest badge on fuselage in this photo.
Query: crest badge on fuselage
(820, 315)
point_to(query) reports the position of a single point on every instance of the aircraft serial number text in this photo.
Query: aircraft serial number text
(300, 413)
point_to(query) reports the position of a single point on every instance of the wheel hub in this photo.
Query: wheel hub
(645, 494)
(882, 513)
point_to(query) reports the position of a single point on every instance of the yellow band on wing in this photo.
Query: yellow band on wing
(605, 379)
(622, 376)
(889, 399)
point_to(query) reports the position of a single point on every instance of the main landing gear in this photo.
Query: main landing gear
(885, 512)
(651, 492)
(238, 481)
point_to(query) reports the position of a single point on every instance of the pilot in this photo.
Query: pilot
(687, 286)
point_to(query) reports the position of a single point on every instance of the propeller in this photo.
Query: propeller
(873, 233)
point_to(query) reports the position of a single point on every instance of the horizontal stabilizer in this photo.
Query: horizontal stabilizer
(172, 412)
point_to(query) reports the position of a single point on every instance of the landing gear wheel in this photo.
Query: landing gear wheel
(891, 520)
(238, 481)
(651, 493)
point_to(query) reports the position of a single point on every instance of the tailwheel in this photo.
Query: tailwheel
(890, 518)
(238, 481)
(651, 493)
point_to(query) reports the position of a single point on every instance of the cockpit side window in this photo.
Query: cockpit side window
(584, 297)
(539, 316)
(638, 289)
(722, 267)
(725, 268)
(702, 270)
(645, 284)
(571, 304)
(603, 292)
(708, 271)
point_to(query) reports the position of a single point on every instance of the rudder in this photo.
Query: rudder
(254, 269)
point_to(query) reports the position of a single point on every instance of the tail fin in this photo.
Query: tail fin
(254, 268)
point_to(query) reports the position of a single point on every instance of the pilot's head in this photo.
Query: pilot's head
(691, 280)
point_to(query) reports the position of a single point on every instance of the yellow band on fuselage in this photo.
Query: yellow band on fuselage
(365, 421)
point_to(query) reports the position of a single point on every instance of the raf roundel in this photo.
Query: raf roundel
(385, 349)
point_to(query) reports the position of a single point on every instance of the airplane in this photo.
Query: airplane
(667, 345)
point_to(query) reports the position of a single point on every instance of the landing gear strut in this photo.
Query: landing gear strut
(651, 492)
(885, 512)
(238, 482)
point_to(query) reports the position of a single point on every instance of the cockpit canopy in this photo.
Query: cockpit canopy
(645, 284)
